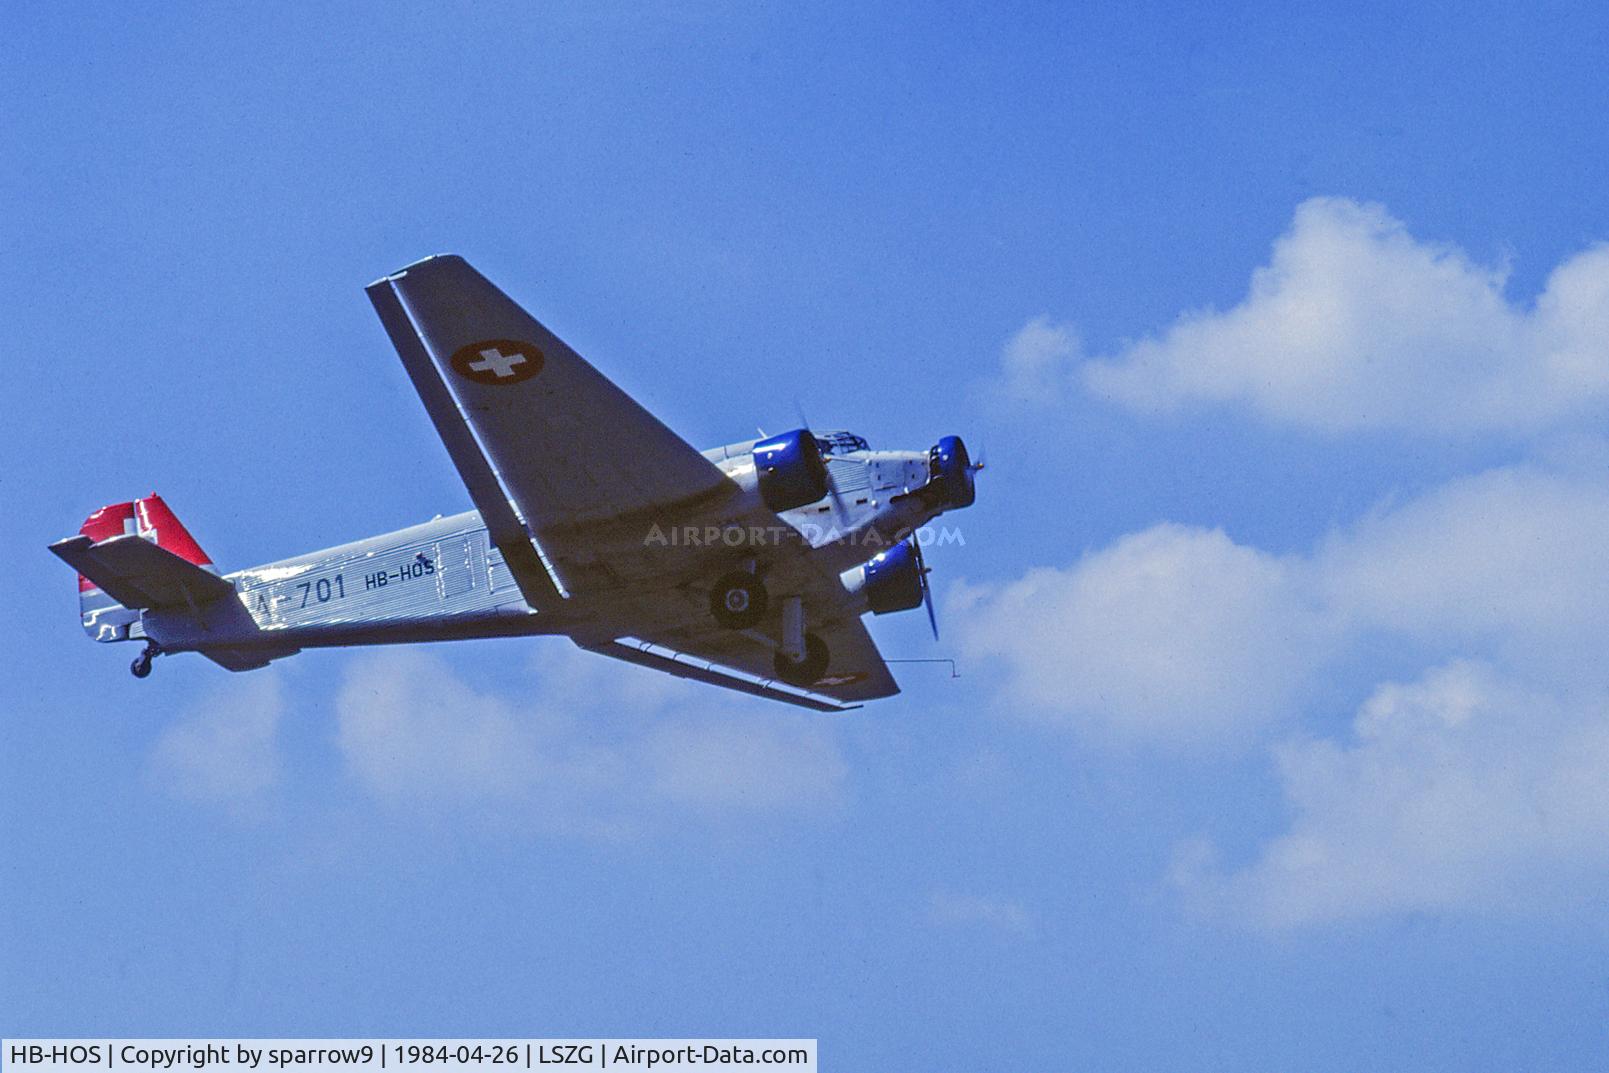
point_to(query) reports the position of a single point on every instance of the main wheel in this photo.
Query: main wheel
(738, 600)
(807, 671)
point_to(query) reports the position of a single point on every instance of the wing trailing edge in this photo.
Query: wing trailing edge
(656, 657)
(508, 531)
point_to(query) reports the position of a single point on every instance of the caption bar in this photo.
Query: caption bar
(404, 1055)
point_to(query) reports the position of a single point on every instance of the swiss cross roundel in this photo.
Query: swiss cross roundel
(497, 361)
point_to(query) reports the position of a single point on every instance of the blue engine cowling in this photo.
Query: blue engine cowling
(893, 579)
(950, 470)
(789, 470)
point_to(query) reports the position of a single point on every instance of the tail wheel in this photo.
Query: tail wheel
(808, 671)
(141, 667)
(738, 600)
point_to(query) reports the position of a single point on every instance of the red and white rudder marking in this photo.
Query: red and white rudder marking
(149, 517)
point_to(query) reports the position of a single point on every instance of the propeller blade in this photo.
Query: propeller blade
(840, 516)
(927, 589)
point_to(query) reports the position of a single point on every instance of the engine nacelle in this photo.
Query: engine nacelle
(950, 469)
(891, 580)
(789, 470)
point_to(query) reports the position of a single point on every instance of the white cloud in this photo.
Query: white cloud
(580, 751)
(1178, 636)
(1172, 636)
(1035, 363)
(1464, 789)
(409, 727)
(1478, 783)
(1514, 559)
(730, 762)
(1355, 324)
(225, 749)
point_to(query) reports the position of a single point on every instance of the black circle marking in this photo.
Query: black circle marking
(497, 361)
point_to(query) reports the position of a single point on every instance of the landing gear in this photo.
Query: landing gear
(738, 600)
(807, 671)
(141, 667)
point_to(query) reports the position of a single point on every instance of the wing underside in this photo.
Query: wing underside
(551, 450)
(856, 671)
(579, 484)
(683, 665)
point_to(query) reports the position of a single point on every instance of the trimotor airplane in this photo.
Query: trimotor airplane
(748, 566)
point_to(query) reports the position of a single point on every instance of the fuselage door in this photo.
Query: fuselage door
(457, 571)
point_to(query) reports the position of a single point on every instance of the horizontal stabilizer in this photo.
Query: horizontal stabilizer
(682, 666)
(138, 574)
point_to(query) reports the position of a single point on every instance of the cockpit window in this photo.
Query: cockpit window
(840, 443)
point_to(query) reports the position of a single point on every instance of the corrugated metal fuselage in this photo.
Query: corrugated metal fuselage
(444, 580)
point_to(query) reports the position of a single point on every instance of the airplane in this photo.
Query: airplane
(748, 566)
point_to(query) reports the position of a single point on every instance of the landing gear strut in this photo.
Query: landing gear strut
(807, 671)
(141, 667)
(738, 600)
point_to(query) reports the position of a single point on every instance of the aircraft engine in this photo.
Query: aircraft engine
(789, 470)
(950, 468)
(894, 580)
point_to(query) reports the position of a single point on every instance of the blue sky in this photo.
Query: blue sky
(1280, 737)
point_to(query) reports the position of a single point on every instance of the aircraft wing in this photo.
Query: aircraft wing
(680, 664)
(742, 660)
(575, 481)
(551, 450)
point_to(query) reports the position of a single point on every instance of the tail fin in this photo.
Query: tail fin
(104, 618)
(155, 522)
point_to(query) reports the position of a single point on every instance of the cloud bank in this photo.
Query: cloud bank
(592, 748)
(1178, 636)
(571, 745)
(225, 749)
(1354, 324)
(1463, 789)
(1475, 780)
(1484, 777)
(1174, 636)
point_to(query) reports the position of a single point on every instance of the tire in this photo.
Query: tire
(738, 600)
(807, 671)
(141, 667)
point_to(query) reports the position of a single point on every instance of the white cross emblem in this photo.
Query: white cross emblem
(497, 363)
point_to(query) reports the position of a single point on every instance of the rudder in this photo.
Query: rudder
(155, 521)
(104, 619)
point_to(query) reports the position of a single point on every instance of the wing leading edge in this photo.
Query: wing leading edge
(572, 476)
(537, 432)
(507, 530)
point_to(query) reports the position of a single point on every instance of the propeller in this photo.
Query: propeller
(840, 517)
(922, 571)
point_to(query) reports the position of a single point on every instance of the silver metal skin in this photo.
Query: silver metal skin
(593, 521)
(793, 629)
(468, 591)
